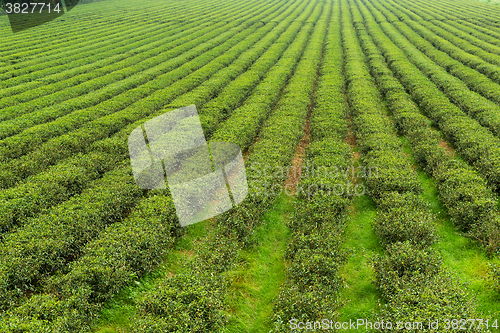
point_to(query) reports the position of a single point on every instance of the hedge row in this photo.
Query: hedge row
(434, 12)
(410, 276)
(18, 145)
(13, 52)
(44, 245)
(19, 71)
(61, 86)
(71, 302)
(167, 307)
(48, 37)
(94, 50)
(483, 33)
(228, 100)
(459, 49)
(486, 42)
(314, 253)
(380, 147)
(470, 203)
(453, 13)
(477, 144)
(178, 81)
(476, 36)
(106, 55)
(80, 104)
(446, 73)
(63, 59)
(486, 17)
(70, 177)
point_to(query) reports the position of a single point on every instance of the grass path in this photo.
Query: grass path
(462, 256)
(361, 295)
(260, 272)
(256, 280)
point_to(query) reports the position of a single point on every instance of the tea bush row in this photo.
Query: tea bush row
(95, 52)
(178, 81)
(166, 308)
(71, 176)
(47, 243)
(475, 143)
(128, 90)
(61, 59)
(65, 86)
(469, 201)
(46, 36)
(72, 301)
(404, 221)
(486, 42)
(314, 253)
(446, 73)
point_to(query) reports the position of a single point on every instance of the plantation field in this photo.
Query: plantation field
(370, 131)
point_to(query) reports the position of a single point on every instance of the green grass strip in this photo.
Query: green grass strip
(361, 295)
(260, 272)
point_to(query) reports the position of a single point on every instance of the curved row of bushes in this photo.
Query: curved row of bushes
(451, 76)
(74, 38)
(426, 30)
(105, 54)
(425, 12)
(410, 275)
(72, 41)
(193, 301)
(71, 301)
(46, 244)
(472, 34)
(465, 194)
(124, 92)
(47, 34)
(36, 67)
(40, 119)
(314, 253)
(459, 49)
(178, 81)
(438, 12)
(475, 143)
(20, 99)
(127, 174)
(453, 13)
(72, 175)
(482, 12)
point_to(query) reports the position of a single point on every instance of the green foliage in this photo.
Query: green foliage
(405, 217)
(278, 137)
(315, 252)
(188, 303)
(411, 278)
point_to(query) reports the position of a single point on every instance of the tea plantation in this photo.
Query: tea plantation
(370, 131)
